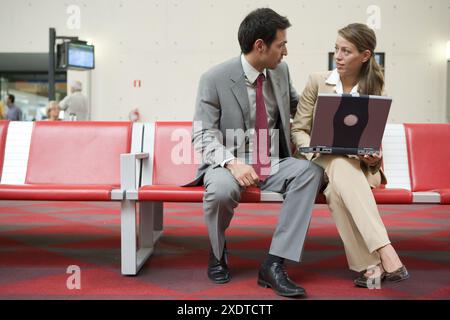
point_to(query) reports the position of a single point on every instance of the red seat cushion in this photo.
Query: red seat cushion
(166, 193)
(3, 131)
(52, 192)
(392, 196)
(77, 153)
(382, 196)
(187, 194)
(171, 193)
(429, 156)
(445, 195)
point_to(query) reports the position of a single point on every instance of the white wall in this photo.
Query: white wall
(167, 44)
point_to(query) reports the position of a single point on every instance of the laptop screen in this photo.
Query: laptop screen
(346, 121)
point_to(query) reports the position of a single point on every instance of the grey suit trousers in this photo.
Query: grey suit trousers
(298, 181)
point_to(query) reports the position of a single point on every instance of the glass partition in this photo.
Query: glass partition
(31, 92)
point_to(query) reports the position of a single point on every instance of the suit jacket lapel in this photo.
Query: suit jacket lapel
(278, 93)
(239, 89)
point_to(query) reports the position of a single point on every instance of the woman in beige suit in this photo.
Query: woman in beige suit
(350, 178)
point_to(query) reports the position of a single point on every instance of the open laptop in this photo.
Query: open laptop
(348, 124)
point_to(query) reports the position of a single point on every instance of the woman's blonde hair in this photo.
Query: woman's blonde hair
(2, 110)
(371, 78)
(51, 104)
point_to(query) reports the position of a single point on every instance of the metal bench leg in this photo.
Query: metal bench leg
(150, 229)
(158, 209)
(128, 237)
(151, 215)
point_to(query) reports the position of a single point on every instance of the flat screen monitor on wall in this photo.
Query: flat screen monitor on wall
(75, 55)
(80, 56)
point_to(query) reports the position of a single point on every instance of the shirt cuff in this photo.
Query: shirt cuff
(222, 164)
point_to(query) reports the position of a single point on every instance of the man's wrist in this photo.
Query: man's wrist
(230, 163)
(226, 161)
(226, 166)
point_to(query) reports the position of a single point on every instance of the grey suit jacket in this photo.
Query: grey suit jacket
(222, 103)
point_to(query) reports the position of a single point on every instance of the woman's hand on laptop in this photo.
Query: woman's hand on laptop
(372, 160)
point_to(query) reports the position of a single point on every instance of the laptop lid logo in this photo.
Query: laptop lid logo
(351, 120)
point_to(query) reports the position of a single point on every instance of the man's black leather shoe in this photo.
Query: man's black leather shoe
(218, 269)
(276, 278)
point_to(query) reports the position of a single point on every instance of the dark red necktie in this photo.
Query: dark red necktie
(261, 140)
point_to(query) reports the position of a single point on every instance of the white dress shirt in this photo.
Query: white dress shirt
(335, 79)
(251, 74)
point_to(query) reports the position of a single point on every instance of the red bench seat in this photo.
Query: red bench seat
(172, 193)
(392, 196)
(72, 161)
(169, 162)
(445, 195)
(429, 157)
(167, 176)
(54, 192)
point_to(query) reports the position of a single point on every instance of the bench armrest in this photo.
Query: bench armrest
(130, 170)
(137, 156)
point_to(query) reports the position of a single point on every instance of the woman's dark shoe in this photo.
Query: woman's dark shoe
(398, 275)
(365, 282)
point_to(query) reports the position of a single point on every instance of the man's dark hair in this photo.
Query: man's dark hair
(12, 98)
(262, 24)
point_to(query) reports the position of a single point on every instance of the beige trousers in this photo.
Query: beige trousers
(354, 209)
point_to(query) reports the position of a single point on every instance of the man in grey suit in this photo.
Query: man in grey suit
(243, 111)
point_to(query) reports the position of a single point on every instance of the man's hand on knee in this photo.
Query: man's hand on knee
(243, 173)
